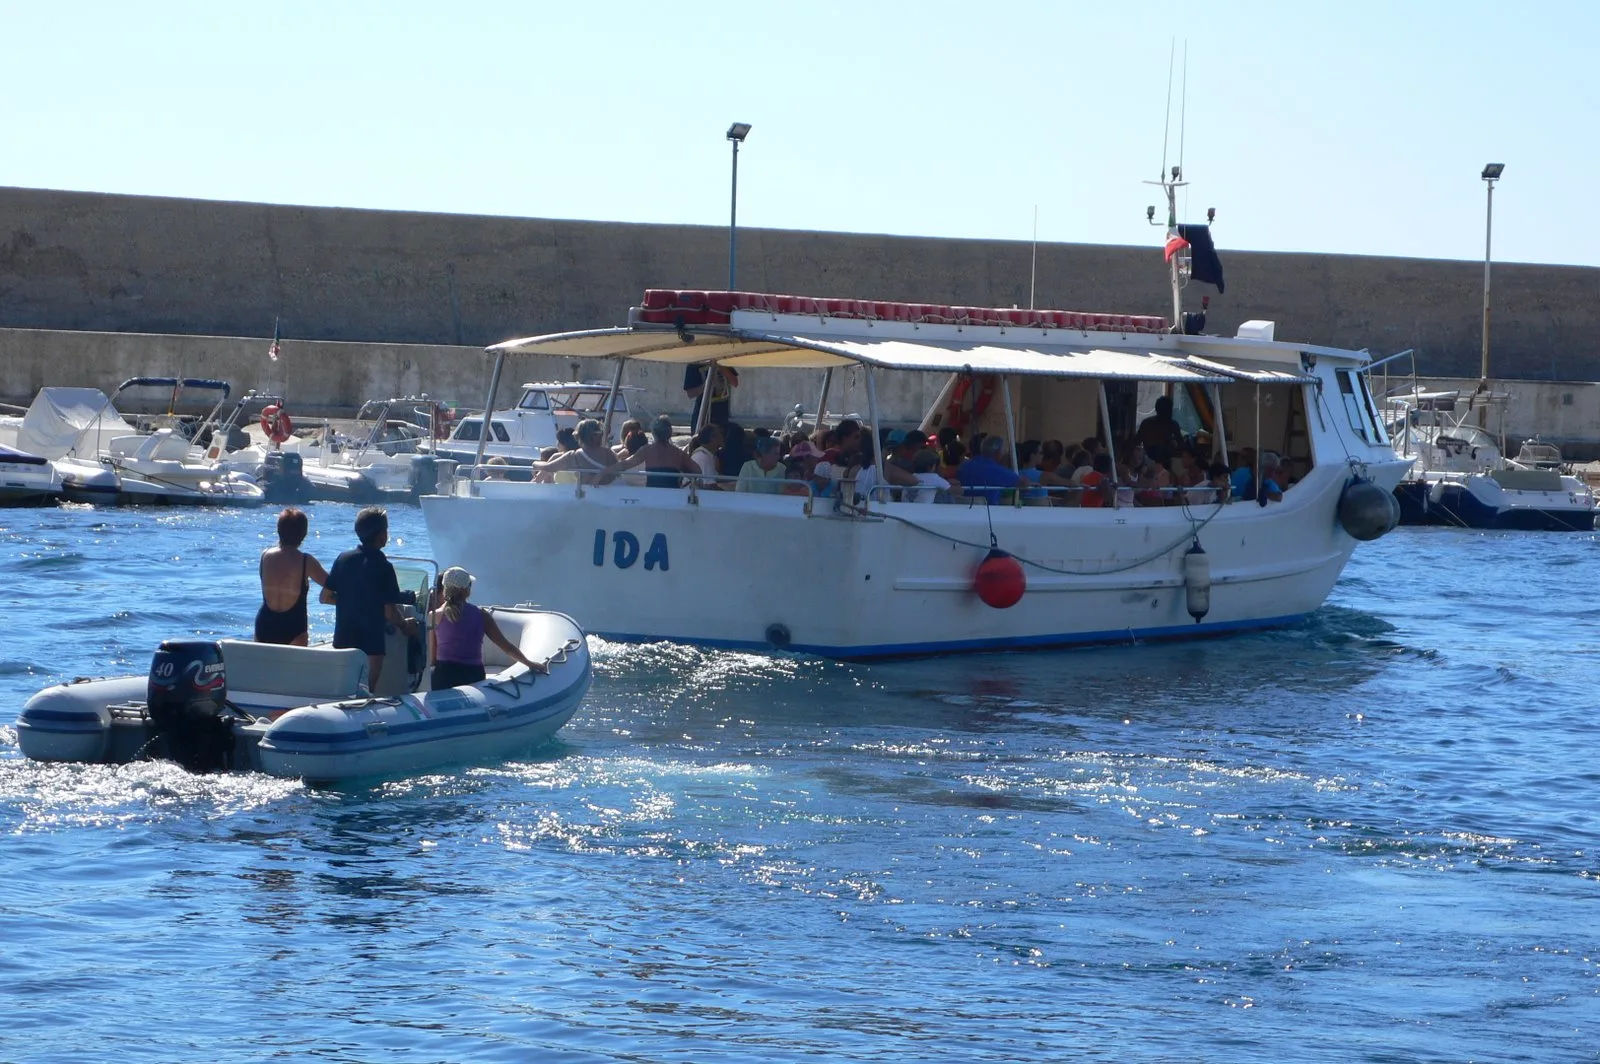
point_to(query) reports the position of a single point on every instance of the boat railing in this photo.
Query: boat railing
(695, 484)
(1054, 495)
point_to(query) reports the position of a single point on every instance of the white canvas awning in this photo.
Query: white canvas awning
(59, 417)
(793, 351)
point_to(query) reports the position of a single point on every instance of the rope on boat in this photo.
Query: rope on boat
(1195, 525)
(513, 685)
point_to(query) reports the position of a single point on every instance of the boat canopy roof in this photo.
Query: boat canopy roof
(202, 383)
(746, 349)
(573, 386)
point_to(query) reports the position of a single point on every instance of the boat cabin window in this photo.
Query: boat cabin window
(532, 400)
(588, 401)
(472, 428)
(1358, 406)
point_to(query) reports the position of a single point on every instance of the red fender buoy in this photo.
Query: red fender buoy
(999, 580)
(276, 424)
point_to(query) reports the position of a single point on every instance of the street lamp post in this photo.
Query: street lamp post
(1491, 174)
(736, 134)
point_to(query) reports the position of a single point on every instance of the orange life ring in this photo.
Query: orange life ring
(276, 424)
(956, 415)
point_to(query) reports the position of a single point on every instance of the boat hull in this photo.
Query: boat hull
(1475, 501)
(757, 572)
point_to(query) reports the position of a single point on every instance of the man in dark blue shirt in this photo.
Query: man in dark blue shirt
(366, 594)
(694, 386)
(982, 474)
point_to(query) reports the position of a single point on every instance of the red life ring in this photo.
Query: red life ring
(276, 424)
(956, 414)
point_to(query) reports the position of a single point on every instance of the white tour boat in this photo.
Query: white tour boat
(1462, 476)
(885, 577)
(306, 711)
(519, 434)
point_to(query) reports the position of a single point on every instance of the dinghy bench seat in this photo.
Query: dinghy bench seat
(266, 675)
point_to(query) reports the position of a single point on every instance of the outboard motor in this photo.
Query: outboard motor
(424, 474)
(188, 704)
(283, 477)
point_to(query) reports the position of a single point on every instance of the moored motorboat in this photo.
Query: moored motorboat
(306, 712)
(519, 434)
(857, 576)
(384, 454)
(1462, 477)
(26, 478)
(101, 458)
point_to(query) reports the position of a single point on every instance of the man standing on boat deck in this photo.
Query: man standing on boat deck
(363, 589)
(694, 386)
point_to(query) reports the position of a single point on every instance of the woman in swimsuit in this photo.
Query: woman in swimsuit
(285, 574)
(591, 458)
(664, 464)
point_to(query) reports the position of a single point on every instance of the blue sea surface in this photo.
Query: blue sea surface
(1371, 837)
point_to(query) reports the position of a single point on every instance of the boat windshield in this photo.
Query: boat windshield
(586, 400)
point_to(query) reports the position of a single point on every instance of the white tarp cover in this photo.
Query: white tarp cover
(778, 350)
(58, 416)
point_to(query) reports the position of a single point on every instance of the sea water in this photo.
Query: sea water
(1369, 837)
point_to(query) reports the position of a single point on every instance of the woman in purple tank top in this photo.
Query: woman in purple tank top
(456, 632)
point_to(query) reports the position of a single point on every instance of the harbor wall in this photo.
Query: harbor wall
(154, 265)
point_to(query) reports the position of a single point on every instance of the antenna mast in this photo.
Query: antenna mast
(1177, 249)
(1033, 272)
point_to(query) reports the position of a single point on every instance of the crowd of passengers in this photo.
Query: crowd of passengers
(1159, 466)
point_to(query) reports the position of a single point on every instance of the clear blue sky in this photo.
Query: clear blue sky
(1333, 127)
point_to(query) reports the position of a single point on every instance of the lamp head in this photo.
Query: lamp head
(1211, 215)
(1491, 172)
(1150, 213)
(738, 131)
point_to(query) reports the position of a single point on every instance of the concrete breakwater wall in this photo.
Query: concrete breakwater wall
(95, 262)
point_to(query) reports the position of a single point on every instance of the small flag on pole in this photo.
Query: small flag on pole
(1175, 244)
(272, 352)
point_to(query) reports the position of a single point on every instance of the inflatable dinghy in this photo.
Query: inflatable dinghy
(306, 711)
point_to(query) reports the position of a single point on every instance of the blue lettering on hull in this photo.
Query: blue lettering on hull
(625, 549)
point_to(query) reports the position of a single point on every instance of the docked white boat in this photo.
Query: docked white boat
(1462, 477)
(306, 711)
(26, 478)
(101, 458)
(876, 576)
(386, 452)
(519, 434)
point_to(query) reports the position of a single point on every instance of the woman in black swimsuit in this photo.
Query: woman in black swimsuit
(285, 574)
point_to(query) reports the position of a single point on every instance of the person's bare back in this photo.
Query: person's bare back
(283, 570)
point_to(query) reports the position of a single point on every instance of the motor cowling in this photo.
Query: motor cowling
(1366, 511)
(187, 700)
(425, 474)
